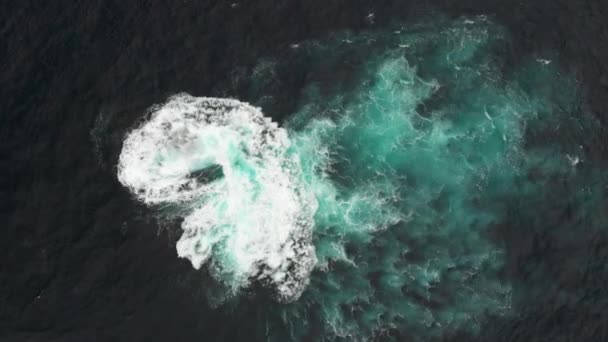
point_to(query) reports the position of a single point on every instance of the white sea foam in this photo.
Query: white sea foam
(251, 221)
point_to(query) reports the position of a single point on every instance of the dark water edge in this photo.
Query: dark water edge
(80, 261)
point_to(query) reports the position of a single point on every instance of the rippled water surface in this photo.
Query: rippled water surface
(374, 172)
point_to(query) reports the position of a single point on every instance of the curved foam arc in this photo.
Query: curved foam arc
(254, 220)
(406, 166)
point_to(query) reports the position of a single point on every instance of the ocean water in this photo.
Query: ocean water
(379, 172)
(372, 208)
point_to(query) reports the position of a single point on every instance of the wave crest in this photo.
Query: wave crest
(248, 213)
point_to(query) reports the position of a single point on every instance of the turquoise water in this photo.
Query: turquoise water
(391, 181)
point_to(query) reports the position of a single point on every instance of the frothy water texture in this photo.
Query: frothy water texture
(398, 169)
(247, 210)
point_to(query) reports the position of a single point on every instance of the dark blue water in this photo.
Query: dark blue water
(81, 260)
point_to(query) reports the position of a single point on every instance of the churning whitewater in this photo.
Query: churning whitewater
(376, 205)
(248, 213)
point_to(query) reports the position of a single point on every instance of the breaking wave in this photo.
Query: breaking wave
(408, 148)
(247, 211)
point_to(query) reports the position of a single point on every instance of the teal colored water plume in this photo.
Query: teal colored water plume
(410, 146)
